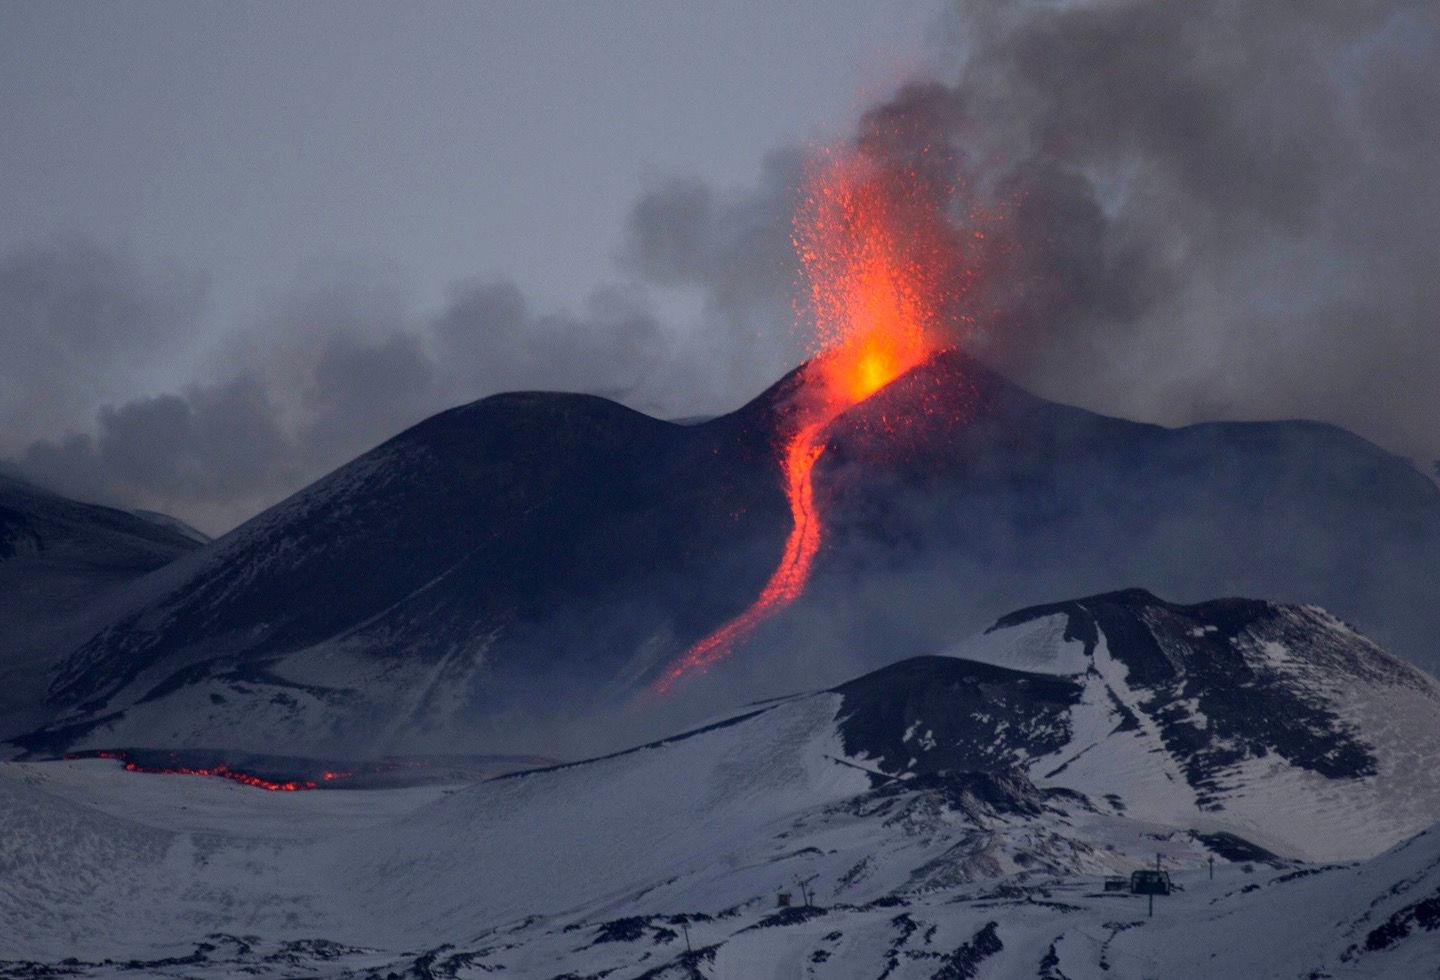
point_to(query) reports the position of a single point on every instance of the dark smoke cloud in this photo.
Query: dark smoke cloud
(80, 324)
(1224, 208)
(336, 368)
(1211, 209)
(209, 443)
(492, 340)
(733, 250)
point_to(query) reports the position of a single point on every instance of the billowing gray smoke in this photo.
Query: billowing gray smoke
(1210, 209)
(333, 371)
(1226, 208)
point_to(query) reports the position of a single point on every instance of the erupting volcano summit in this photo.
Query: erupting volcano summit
(884, 267)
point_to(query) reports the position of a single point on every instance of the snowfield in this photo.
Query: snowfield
(944, 816)
(120, 897)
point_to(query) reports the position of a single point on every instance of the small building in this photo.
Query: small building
(782, 900)
(1150, 882)
(1117, 883)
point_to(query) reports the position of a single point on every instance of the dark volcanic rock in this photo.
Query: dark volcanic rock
(997, 497)
(60, 560)
(571, 526)
(940, 714)
(535, 549)
(1213, 695)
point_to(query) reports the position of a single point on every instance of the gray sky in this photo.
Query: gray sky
(245, 242)
(222, 164)
(257, 141)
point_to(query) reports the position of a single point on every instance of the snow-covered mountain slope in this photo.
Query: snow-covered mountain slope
(377, 599)
(1379, 919)
(105, 863)
(60, 561)
(917, 804)
(1280, 718)
(538, 549)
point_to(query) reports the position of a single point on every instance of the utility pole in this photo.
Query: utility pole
(1212, 867)
(1157, 881)
(688, 950)
(805, 892)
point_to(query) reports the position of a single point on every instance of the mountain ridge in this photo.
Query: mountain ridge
(531, 548)
(62, 562)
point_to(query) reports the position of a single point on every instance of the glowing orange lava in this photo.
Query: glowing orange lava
(220, 770)
(878, 255)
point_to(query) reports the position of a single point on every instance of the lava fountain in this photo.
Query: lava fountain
(880, 258)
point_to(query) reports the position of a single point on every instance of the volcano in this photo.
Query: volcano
(531, 549)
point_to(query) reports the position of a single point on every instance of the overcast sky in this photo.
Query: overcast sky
(257, 141)
(242, 243)
(230, 156)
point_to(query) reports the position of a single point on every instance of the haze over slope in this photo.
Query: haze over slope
(60, 560)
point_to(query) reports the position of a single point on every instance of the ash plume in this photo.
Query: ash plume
(1209, 210)
(336, 367)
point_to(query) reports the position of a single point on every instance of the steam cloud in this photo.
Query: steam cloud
(337, 369)
(1226, 210)
(79, 325)
(1211, 209)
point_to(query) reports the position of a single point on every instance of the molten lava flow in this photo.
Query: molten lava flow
(788, 580)
(879, 257)
(222, 771)
(219, 770)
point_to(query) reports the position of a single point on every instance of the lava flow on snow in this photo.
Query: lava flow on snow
(887, 268)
